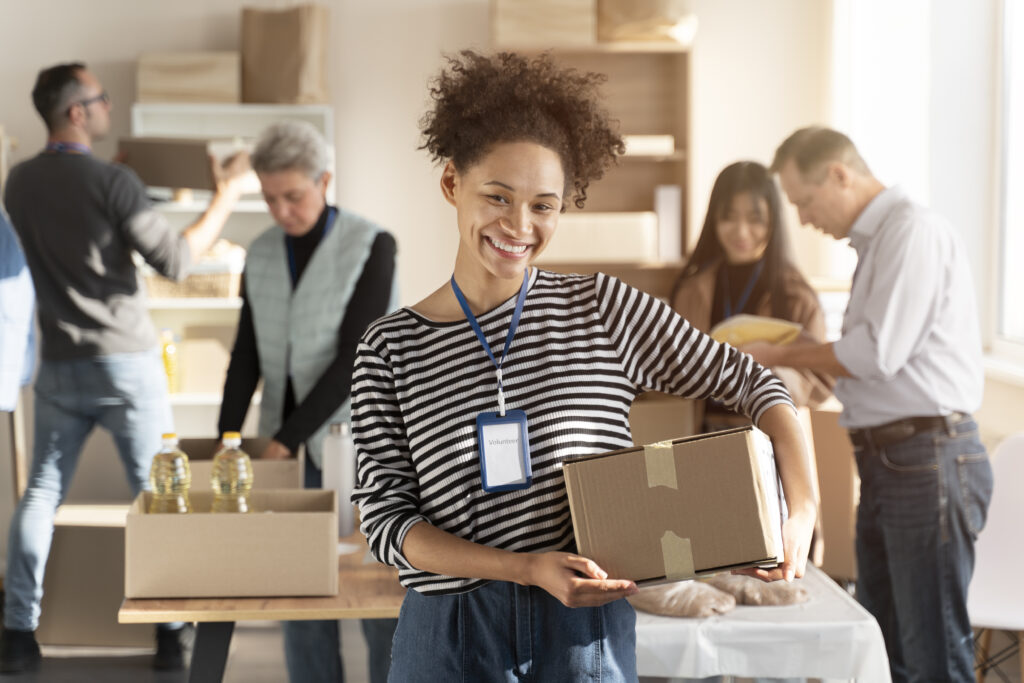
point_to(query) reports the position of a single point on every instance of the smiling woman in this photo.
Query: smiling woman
(466, 404)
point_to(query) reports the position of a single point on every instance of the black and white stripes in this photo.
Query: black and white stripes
(585, 348)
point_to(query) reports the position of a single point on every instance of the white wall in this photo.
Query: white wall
(760, 70)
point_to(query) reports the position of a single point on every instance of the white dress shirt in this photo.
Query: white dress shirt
(911, 335)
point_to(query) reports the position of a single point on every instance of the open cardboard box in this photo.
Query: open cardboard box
(288, 546)
(675, 510)
(266, 474)
(180, 162)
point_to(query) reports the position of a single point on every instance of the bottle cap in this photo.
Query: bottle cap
(231, 435)
(168, 435)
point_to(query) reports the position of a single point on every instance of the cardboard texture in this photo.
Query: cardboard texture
(543, 23)
(84, 583)
(288, 547)
(672, 510)
(169, 162)
(840, 492)
(655, 416)
(266, 474)
(189, 77)
(284, 55)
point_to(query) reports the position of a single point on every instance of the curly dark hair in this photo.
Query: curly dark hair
(481, 101)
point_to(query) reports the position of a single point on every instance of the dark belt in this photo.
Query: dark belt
(900, 430)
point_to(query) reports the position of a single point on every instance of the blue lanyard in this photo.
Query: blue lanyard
(520, 300)
(288, 242)
(746, 291)
(67, 148)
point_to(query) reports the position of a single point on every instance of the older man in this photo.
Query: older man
(79, 219)
(910, 368)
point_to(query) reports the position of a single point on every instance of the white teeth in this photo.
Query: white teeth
(505, 246)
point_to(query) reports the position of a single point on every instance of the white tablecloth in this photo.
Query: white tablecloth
(830, 636)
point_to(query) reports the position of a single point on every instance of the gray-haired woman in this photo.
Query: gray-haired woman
(312, 284)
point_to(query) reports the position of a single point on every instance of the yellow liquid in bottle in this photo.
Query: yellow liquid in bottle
(170, 478)
(231, 477)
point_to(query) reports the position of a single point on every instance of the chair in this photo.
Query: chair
(995, 599)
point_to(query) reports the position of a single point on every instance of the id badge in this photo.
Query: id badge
(504, 445)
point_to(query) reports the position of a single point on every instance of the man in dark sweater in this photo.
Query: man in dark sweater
(79, 220)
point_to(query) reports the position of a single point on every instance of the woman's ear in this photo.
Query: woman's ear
(449, 179)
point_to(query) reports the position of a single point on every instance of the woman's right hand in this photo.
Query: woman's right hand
(575, 581)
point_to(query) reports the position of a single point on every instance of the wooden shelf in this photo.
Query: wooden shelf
(623, 47)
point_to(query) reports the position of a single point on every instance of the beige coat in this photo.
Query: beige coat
(694, 299)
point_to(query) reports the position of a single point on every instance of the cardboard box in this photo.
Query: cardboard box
(266, 474)
(596, 237)
(655, 417)
(84, 583)
(287, 547)
(543, 23)
(179, 162)
(840, 491)
(189, 77)
(679, 509)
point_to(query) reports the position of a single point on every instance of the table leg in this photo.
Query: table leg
(210, 653)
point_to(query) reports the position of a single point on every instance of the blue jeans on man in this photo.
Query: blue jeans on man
(312, 649)
(126, 394)
(923, 502)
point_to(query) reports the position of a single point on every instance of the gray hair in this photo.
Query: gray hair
(291, 146)
(812, 147)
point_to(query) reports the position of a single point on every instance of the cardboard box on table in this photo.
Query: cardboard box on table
(679, 509)
(266, 474)
(85, 575)
(288, 546)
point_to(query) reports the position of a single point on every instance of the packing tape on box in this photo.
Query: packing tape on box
(660, 464)
(677, 557)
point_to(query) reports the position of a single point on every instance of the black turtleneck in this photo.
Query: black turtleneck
(733, 279)
(369, 301)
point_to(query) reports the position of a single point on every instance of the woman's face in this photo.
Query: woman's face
(508, 205)
(295, 200)
(743, 229)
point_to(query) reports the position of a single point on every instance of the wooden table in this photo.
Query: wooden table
(366, 590)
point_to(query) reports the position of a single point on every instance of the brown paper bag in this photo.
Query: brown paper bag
(284, 55)
(640, 20)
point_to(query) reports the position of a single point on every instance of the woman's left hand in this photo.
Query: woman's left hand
(796, 542)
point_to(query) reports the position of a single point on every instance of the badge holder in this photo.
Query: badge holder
(504, 444)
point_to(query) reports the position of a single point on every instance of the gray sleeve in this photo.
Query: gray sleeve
(146, 229)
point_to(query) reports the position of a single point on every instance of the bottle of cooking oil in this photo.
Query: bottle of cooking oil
(171, 365)
(170, 478)
(231, 478)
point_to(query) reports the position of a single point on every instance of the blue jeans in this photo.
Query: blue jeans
(312, 649)
(923, 502)
(124, 393)
(504, 632)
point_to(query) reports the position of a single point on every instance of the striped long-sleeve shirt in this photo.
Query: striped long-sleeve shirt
(586, 346)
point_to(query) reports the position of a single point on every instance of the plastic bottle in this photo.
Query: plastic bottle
(170, 478)
(171, 365)
(231, 477)
(339, 468)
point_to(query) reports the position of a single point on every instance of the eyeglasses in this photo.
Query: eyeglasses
(103, 97)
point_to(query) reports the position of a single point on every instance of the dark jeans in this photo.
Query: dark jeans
(312, 649)
(923, 502)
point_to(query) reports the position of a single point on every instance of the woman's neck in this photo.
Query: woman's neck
(483, 290)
